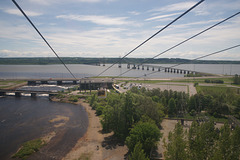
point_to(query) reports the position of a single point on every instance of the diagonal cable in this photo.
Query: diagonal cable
(153, 36)
(185, 41)
(43, 38)
(197, 58)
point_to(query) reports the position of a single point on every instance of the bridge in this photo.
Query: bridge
(149, 67)
(18, 93)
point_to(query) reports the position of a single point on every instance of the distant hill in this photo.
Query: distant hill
(97, 61)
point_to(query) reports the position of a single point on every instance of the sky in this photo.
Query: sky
(112, 28)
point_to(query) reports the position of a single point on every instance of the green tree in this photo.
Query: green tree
(138, 153)
(176, 147)
(145, 133)
(93, 99)
(235, 144)
(223, 145)
(201, 140)
(236, 79)
(171, 107)
(192, 104)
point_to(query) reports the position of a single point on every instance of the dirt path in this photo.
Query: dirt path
(91, 145)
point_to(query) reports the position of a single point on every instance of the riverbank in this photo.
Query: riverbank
(94, 144)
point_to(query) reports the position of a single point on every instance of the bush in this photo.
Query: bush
(73, 98)
(29, 148)
(214, 81)
(207, 81)
(99, 110)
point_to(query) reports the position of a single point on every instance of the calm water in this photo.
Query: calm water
(80, 71)
(25, 118)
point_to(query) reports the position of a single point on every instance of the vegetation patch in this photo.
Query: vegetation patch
(29, 148)
(85, 156)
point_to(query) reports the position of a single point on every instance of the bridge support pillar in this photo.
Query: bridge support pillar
(33, 95)
(18, 94)
(134, 66)
(59, 82)
(128, 66)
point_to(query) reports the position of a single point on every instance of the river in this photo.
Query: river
(23, 119)
(81, 71)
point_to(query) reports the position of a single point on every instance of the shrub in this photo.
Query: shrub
(207, 81)
(29, 148)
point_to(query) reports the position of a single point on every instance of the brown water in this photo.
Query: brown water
(23, 119)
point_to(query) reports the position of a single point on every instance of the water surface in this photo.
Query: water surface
(23, 119)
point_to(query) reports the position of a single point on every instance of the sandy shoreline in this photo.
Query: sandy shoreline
(90, 145)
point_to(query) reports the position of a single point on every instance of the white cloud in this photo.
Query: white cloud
(161, 17)
(134, 13)
(100, 20)
(175, 7)
(50, 2)
(18, 13)
(14, 53)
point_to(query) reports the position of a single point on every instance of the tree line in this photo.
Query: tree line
(135, 117)
(203, 142)
(85, 60)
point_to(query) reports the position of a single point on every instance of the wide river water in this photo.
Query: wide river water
(23, 119)
(81, 71)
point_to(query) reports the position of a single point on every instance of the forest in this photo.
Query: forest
(97, 61)
(135, 117)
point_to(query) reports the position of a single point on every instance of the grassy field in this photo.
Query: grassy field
(227, 80)
(216, 90)
(28, 148)
(8, 84)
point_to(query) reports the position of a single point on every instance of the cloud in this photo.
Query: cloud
(134, 13)
(50, 2)
(14, 53)
(100, 20)
(161, 17)
(175, 7)
(18, 13)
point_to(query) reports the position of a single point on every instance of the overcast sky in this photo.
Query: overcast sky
(111, 28)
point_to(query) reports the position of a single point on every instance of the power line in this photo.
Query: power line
(152, 36)
(43, 38)
(185, 40)
(198, 58)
